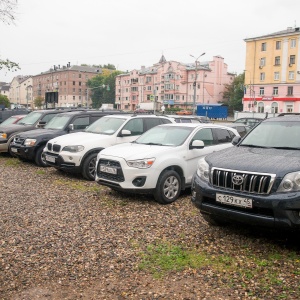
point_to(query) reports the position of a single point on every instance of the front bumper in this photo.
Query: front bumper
(274, 210)
(23, 151)
(3, 145)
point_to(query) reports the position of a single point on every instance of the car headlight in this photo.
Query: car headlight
(3, 135)
(203, 169)
(30, 142)
(141, 163)
(75, 148)
(290, 183)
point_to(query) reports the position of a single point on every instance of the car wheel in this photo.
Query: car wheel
(89, 167)
(11, 153)
(39, 159)
(213, 220)
(168, 187)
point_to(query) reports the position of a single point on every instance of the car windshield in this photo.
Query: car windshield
(30, 119)
(282, 135)
(106, 125)
(165, 136)
(58, 122)
(8, 121)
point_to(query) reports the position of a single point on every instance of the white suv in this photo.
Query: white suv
(77, 152)
(163, 160)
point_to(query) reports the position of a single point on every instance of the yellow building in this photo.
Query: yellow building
(272, 72)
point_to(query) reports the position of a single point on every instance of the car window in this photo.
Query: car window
(241, 130)
(151, 122)
(136, 126)
(81, 123)
(186, 121)
(48, 117)
(205, 135)
(222, 135)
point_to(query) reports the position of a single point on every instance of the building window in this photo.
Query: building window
(262, 76)
(149, 88)
(79, 75)
(261, 91)
(277, 60)
(79, 82)
(291, 75)
(274, 108)
(276, 75)
(262, 62)
(278, 45)
(148, 79)
(260, 107)
(74, 98)
(292, 59)
(263, 46)
(290, 91)
(275, 91)
(293, 43)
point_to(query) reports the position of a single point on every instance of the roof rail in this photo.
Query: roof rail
(288, 114)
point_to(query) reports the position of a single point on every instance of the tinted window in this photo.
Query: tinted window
(222, 135)
(152, 122)
(81, 123)
(48, 117)
(136, 126)
(204, 135)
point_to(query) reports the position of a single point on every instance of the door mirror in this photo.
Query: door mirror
(236, 140)
(197, 144)
(71, 127)
(41, 124)
(125, 132)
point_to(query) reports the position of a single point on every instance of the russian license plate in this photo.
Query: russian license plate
(14, 150)
(50, 158)
(107, 169)
(233, 200)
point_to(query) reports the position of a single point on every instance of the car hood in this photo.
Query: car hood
(130, 151)
(261, 160)
(44, 133)
(15, 128)
(80, 138)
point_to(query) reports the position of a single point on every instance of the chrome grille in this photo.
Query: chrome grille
(19, 141)
(250, 182)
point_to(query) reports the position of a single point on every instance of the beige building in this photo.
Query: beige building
(20, 91)
(173, 84)
(70, 83)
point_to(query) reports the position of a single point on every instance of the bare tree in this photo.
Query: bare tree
(7, 10)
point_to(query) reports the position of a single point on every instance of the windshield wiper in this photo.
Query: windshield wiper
(155, 144)
(286, 148)
(252, 146)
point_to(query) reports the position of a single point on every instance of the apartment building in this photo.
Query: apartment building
(4, 89)
(20, 91)
(272, 72)
(173, 84)
(69, 81)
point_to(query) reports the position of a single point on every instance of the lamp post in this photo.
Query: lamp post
(195, 82)
(252, 92)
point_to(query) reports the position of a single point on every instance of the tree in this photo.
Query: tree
(4, 101)
(7, 11)
(103, 89)
(234, 93)
(39, 101)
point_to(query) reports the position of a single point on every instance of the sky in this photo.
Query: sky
(134, 33)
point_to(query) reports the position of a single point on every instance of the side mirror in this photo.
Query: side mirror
(41, 124)
(125, 132)
(71, 127)
(236, 140)
(197, 144)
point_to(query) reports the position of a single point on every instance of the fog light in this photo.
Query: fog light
(70, 158)
(139, 181)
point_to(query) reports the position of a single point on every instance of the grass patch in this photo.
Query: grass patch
(12, 162)
(78, 186)
(41, 172)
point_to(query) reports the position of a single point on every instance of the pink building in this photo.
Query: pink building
(172, 83)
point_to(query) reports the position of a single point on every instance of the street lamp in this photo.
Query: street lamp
(195, 82)
(28, 87)
(252, 92)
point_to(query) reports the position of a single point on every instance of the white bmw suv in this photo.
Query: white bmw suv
(163, 160)
(77, 152)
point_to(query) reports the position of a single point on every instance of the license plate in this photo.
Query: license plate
(233, 200)
(50, 158)
(15, 150)
(109, 170)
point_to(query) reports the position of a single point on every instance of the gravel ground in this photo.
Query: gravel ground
(65, 238)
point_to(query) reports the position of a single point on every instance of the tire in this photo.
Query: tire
(39, 160)
(11, 153)
(214, 221)
(89, 167)
(168, 187)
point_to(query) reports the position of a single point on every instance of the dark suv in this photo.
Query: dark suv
(29, 145)
(256, 182)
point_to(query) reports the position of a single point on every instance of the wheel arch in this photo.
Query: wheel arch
(179, 171)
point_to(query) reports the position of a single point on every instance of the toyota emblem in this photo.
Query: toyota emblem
(237, 179)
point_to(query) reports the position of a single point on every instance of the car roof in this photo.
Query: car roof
(194, 125)
(284, 118)
(130, 116)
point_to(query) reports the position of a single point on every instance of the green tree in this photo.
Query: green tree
(103, 89)
(4, 101)
(39, 101)
(234, 93)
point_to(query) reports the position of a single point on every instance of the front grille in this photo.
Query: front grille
(119, 177)
(19, 141)
(250, 182)
(53, 147)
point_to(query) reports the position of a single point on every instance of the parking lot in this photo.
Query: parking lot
(62, 237)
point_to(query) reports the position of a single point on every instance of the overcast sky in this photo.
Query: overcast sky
(134, 33)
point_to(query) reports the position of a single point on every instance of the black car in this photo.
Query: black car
(241, 128)
(251, 122)
(255, 182)
(29, 145)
